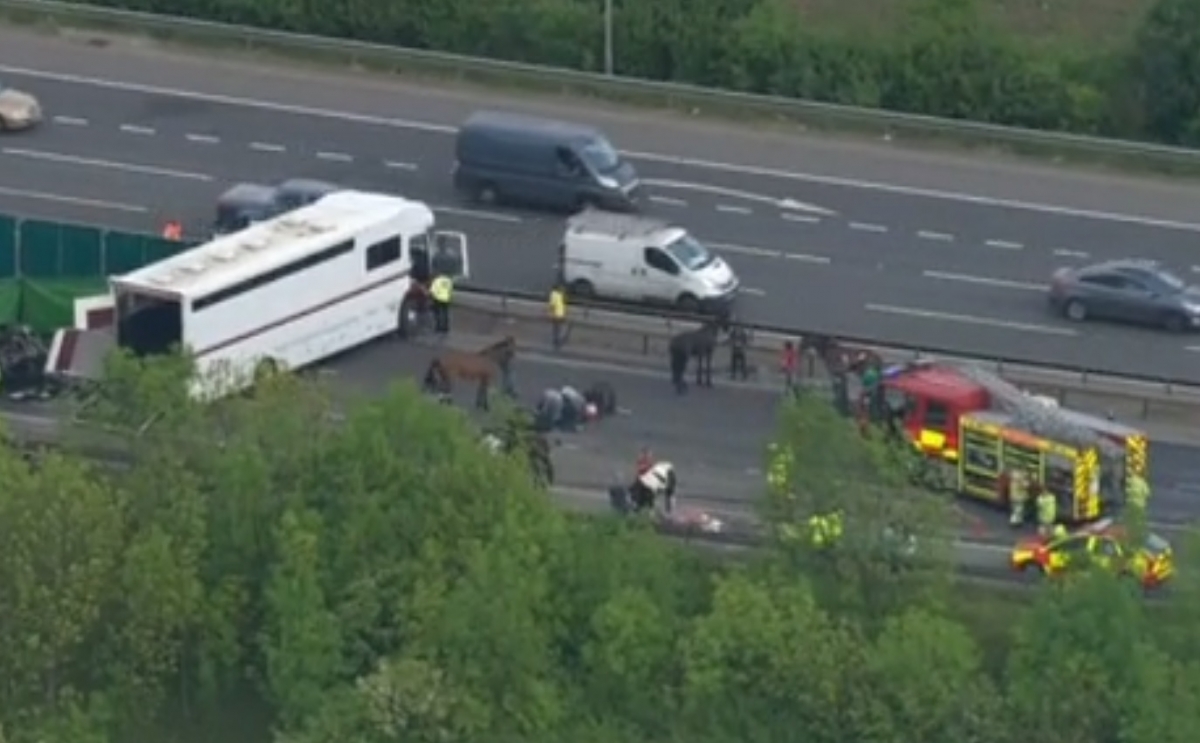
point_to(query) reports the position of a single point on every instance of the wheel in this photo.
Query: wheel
(1174, 322)
(407, 322)
(582, 288)
(688, 303)
(487, 193)
(3, 124)
(1075, 311)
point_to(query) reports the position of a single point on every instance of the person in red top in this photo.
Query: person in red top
(645, 461)
(789, 364)
(172, 230)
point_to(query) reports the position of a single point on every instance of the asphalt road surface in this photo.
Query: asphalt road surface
(862, 240)
(716, 439)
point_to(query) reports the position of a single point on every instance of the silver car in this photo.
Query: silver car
(1132, 291)
(17, 110)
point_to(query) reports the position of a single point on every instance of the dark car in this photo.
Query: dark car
(246, 203)
(507, 158)
(1132, 291)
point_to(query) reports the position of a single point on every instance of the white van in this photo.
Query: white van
(628, 258)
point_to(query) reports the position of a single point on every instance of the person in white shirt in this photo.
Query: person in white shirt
(657, 482)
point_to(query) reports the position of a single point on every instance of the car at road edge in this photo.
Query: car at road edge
(1103, 544)
(18, 110)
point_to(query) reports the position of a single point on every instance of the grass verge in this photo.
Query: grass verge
(923, 133)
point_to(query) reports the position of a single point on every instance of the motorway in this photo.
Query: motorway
(716, 439)
(920, 249)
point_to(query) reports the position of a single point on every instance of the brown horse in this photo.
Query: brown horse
(839, 359)
(481, 367)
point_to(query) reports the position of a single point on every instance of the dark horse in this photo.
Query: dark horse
(699, 345)
(482, 367)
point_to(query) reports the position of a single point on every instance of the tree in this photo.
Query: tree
(302, 641)
(893, 549)
(1076, 657)
(1168, 70)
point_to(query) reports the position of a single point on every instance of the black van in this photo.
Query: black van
(504, 157)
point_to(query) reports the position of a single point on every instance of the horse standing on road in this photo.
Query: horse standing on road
(482, 367)
(699, 345)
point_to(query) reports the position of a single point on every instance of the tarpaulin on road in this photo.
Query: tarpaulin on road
(49, 304)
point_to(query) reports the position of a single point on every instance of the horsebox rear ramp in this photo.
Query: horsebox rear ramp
(78, 355)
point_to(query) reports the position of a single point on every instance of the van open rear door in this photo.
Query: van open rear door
(450, 257)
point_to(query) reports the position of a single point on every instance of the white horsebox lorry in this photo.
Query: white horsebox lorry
(284, 293)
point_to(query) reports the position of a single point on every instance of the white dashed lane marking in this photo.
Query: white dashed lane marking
(787, 216)
(867, 227)
(667, 201)
(984, 281)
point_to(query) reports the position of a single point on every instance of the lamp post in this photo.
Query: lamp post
(608, 37)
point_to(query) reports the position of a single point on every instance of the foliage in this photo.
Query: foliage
(948, 59)
(371, 574)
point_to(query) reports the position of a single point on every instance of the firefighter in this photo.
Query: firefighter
(778, 468)
(1047, 512)
(557, 306)
(1137, 491)
(825, 530)
(1018, 496)
(440, 292)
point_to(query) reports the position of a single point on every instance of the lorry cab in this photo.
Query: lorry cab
(629, 258)
(930, 401)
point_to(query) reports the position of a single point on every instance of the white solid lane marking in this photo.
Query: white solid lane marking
(55, 157)
(736, 193)
(744, 249)
(23, 193)
(1004, 245)
(728, 209)
(202, 138)
(1063, 252)
(70, 121)
(914, 191)
(806, 219)
(867, 227)
(399, 165)
(230, 100)
(267, 147)
(944, 237)
(473, 214)
(1027, 286)
(424, 126)
(805, 258)
(667, 201)
(142, 131)
(969, 320)
(337, 157)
